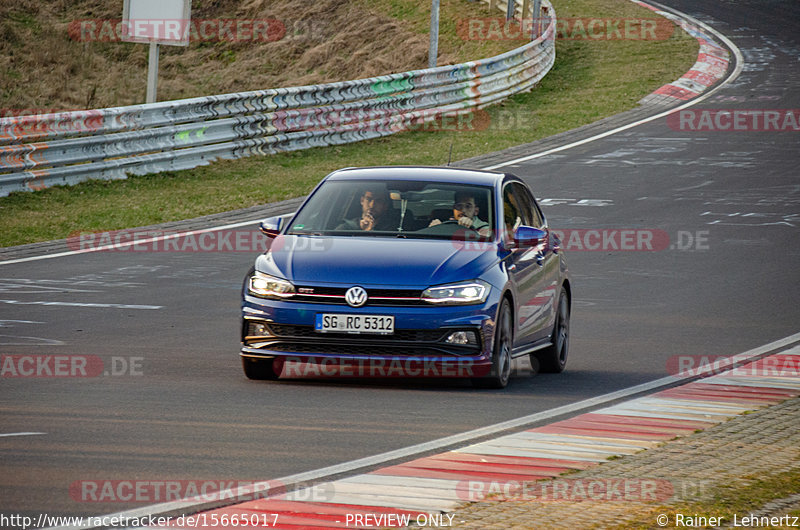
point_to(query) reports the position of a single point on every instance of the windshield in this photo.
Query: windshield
(415, 209)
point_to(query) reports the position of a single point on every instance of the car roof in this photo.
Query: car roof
(432, 173)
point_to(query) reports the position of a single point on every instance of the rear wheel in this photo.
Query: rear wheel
(501, 355)
(553, 359)
(261, 369)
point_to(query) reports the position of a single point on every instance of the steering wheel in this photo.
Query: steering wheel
(445, 228)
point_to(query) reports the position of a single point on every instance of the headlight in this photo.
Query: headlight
(471, 292)
(267, 286)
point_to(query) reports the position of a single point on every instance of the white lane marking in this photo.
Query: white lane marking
(635, 412)
(9, 434)
(497, 450)
(736, 71)
(79, 304)
(579, 443)
(25, 285)
(706, 183)
(689, 405)
(573, 439)
(7, 340)
(127, 244)
(550, 449)
(395, 480)
(402, 503)
(757, 382)
(463, 438)
(394, 490)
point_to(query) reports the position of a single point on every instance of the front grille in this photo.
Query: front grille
(323, 347)
(403, 342)
(376, 297)
(413, 335)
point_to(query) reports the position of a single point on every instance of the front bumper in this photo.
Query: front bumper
(417, 347)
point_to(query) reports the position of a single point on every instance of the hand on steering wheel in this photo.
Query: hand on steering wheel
(466, 222)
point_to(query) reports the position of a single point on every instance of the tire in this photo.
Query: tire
(553, 359)
(501, 355)
(261, 369)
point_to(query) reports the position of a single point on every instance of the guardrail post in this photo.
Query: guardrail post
(536, 19)
(433, 48)
(152, 73)
(511, 6)
(526, 8)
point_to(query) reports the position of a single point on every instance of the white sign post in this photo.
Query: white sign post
(156, 22)
(433, 48)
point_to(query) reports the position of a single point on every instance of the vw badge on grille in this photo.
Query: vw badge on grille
(356, 296)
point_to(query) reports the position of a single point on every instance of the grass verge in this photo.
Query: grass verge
(740, 499)
(591, 80)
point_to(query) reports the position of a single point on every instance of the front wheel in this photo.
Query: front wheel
(501, 355)
(553, 359)
(261, 369)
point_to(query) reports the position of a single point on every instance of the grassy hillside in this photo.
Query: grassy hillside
(57, 54)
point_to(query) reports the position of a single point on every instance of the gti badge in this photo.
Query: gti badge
(356, 296)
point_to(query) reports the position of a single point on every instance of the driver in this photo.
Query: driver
(465, 213)
(375, 213)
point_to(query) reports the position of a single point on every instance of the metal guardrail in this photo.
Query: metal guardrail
(67, 148)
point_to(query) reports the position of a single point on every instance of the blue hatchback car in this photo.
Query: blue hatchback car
(409, 271)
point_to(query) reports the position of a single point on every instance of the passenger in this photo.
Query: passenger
(376, 213)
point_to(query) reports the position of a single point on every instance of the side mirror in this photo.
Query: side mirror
(528, 236)
(271, 226)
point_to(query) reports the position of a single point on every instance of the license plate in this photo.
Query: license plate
(342, 323)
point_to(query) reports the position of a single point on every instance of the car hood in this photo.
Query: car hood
(310, 260)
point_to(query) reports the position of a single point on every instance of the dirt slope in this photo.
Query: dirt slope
(43, 67)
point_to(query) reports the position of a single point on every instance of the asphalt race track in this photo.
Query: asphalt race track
(176, 406)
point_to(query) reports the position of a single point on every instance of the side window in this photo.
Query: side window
(534, 217)
(512, 212)
(538, 217)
